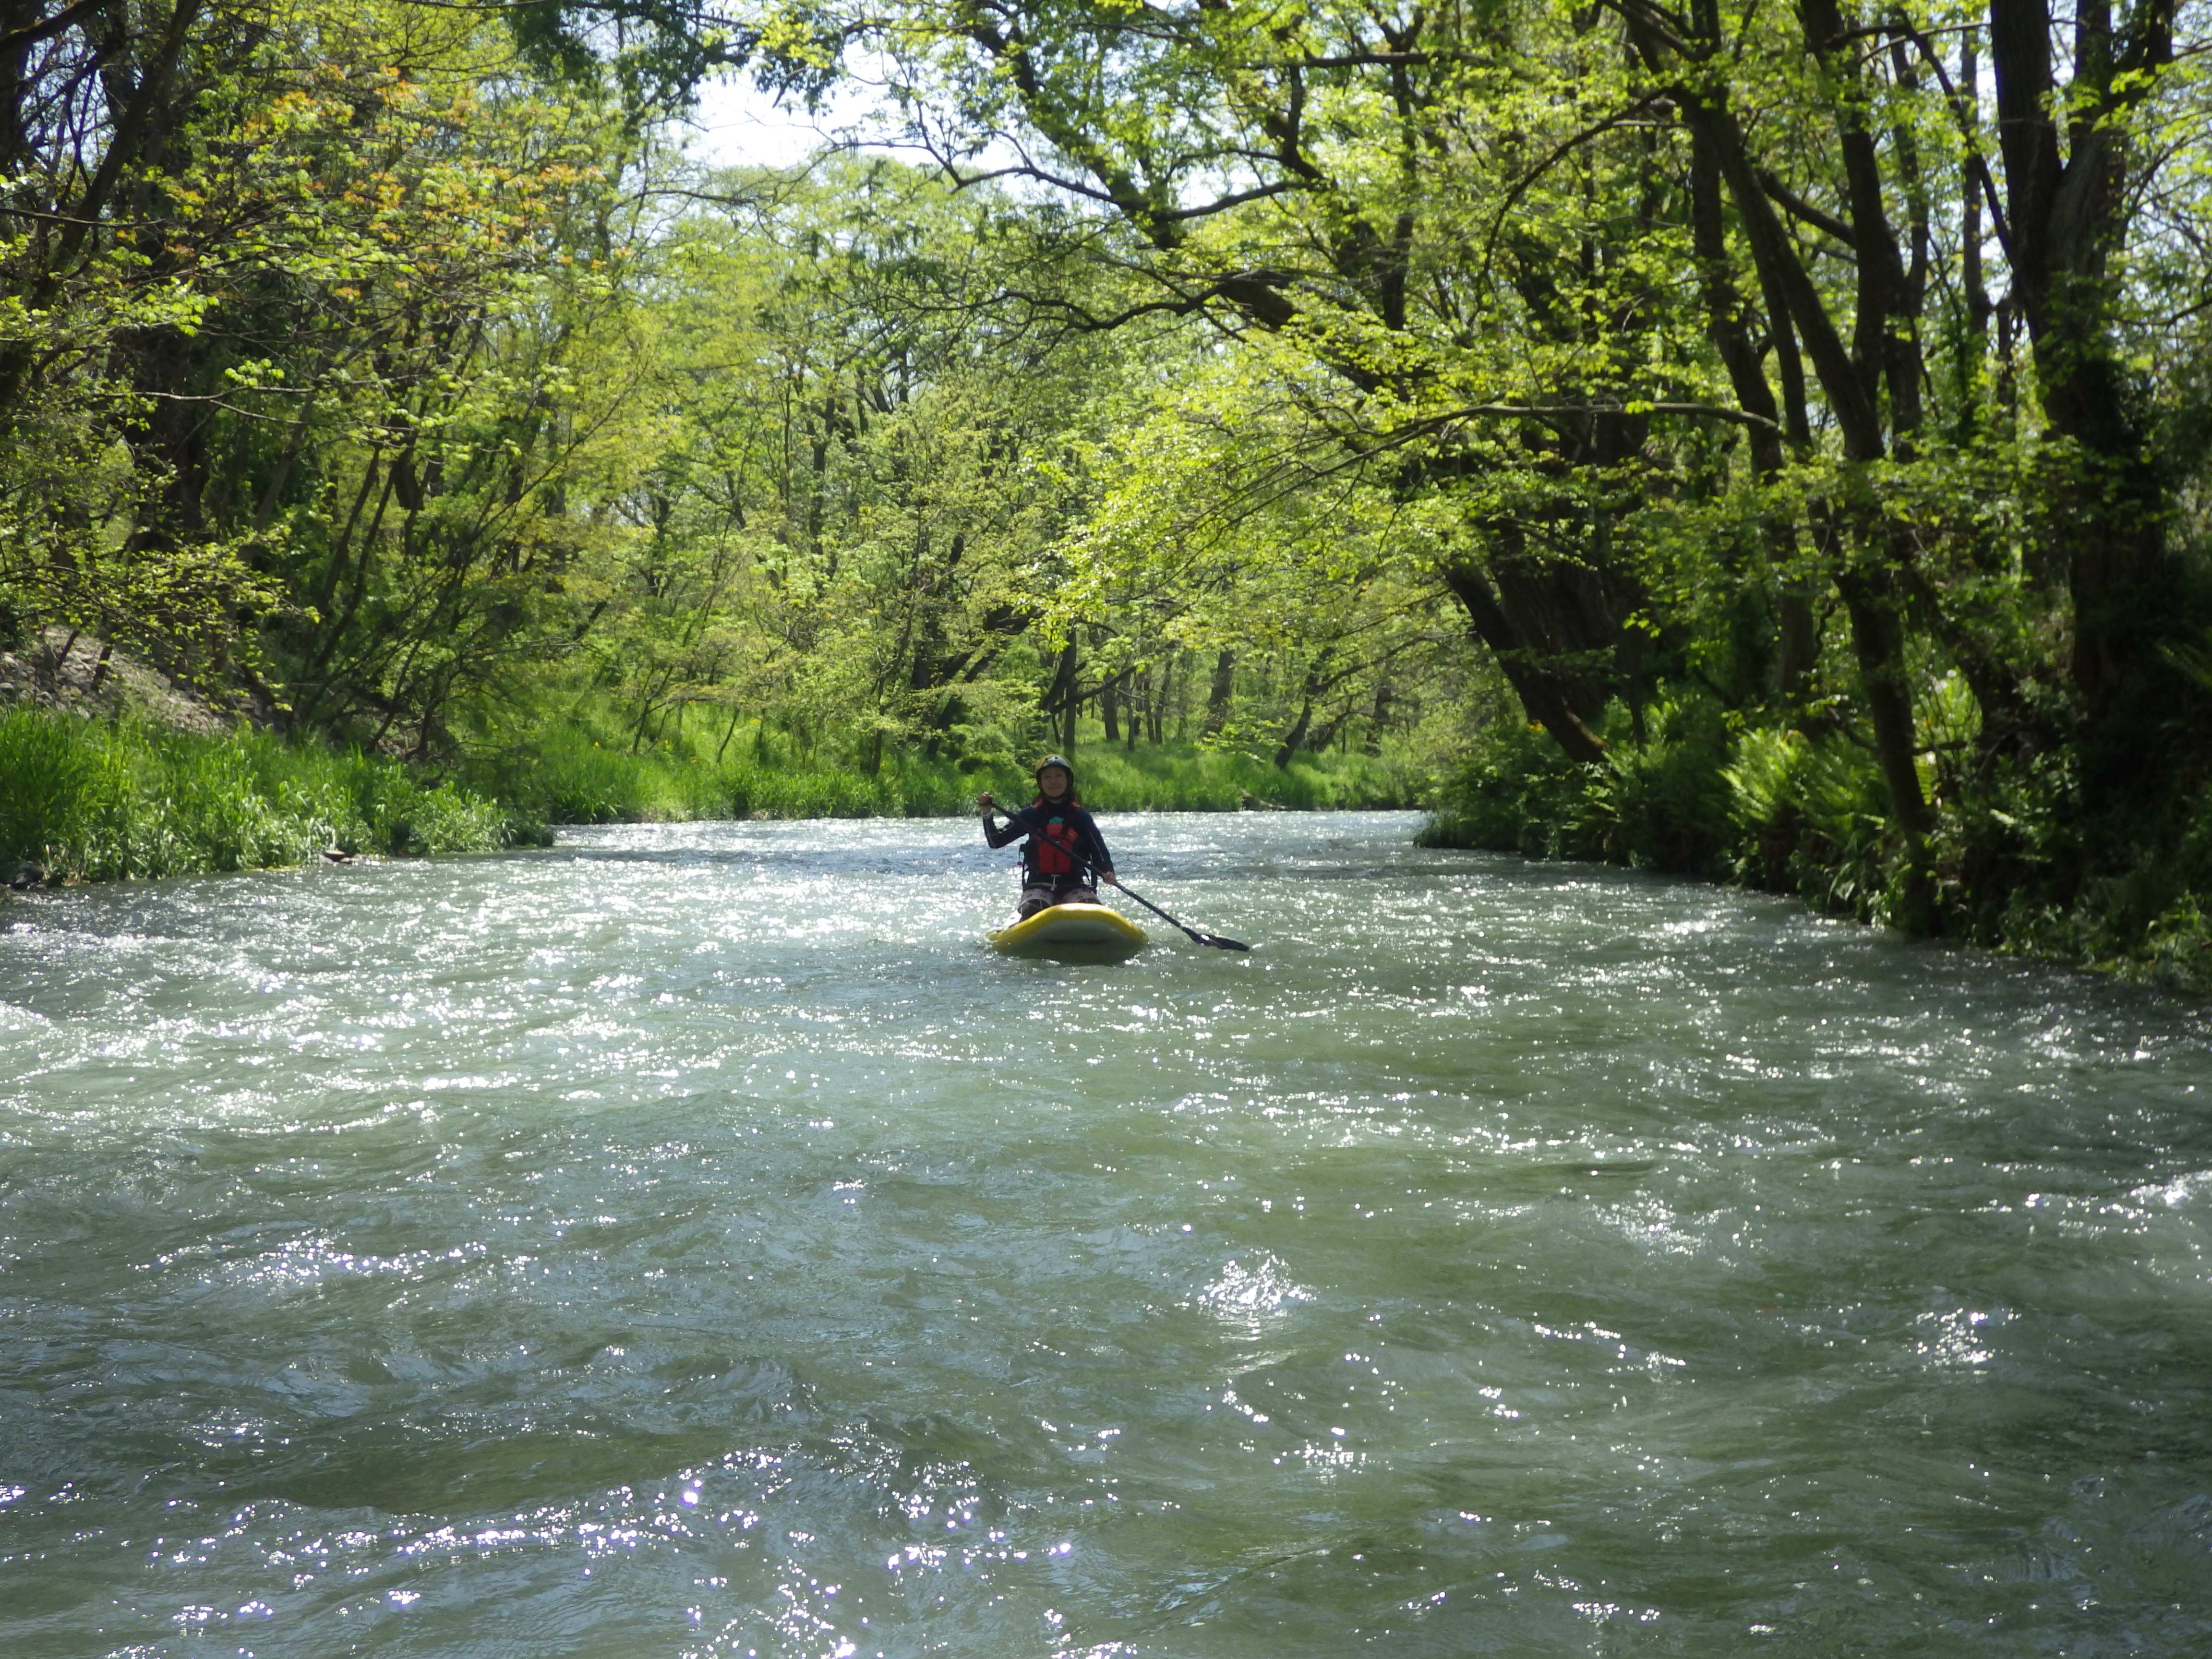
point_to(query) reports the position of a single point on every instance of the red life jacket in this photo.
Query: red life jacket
(1056, 850)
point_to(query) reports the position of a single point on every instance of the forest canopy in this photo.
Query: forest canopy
(1769, 442)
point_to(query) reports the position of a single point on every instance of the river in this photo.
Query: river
(687, 1241)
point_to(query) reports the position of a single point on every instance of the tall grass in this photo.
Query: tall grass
(93, 801)
(96, 802)
(1181, 778)
(565, 774)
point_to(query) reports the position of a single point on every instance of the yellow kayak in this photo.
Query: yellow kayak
(1080, 933)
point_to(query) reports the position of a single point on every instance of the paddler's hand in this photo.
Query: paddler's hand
(985, 805)
(1110, 877)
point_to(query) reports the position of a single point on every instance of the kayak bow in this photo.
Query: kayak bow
(1083, 933)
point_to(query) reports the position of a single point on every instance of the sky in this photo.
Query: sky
(736, 125)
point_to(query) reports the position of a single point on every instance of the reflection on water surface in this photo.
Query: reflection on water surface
(689, 1242)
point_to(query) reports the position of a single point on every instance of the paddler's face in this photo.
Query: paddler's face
(1053, 781)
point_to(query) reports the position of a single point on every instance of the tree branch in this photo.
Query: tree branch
(1778, 192)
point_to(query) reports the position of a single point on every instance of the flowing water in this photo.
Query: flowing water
(687, 1241)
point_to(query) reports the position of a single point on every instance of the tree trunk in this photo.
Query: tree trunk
(2065, 217)
(1297, 734)
(1541, 691)
(1060, 700)
(1878, 641)
(1218, 694)
(1728, 324)
(1852, 382)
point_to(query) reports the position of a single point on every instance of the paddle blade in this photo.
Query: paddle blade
(1191, 933)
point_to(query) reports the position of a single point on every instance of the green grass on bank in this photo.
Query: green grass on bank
(92, 801)
(97, 801)
(563, 775)
(1181, 778)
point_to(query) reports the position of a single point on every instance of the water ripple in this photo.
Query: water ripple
(689, 1241)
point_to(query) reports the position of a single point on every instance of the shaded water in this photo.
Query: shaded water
(689, 1242)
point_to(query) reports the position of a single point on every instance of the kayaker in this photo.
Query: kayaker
(1065, 857)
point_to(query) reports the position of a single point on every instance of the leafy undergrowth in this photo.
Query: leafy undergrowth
(2014, 867)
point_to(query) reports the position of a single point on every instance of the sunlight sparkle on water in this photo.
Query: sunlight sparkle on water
(689, 1240)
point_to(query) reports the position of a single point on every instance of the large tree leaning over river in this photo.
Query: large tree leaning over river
(1320, 176)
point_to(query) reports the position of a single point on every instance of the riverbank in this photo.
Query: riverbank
(125, 796)
(565, 774)
(98, 800)
(2013, 869)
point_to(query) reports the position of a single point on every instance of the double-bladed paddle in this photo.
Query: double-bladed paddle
(1214, 940)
